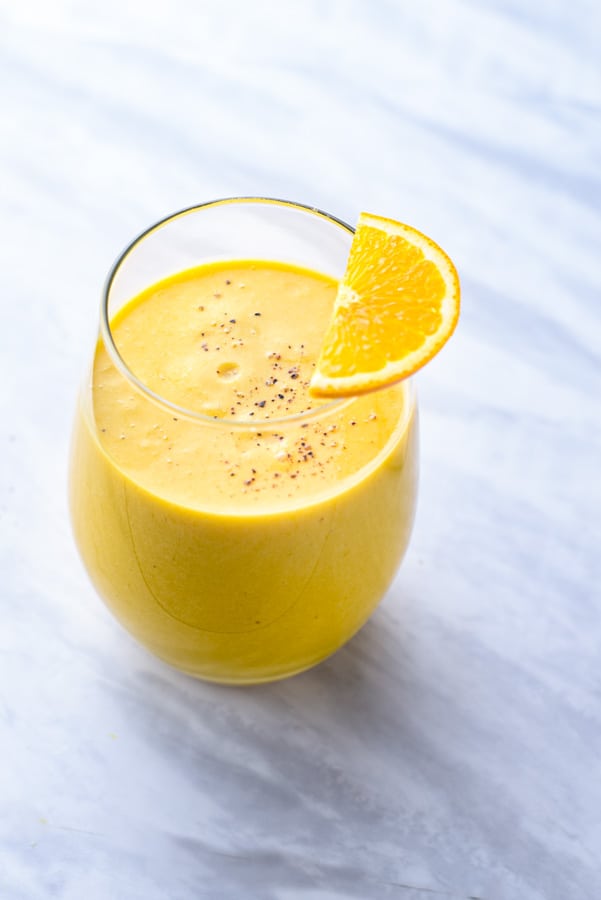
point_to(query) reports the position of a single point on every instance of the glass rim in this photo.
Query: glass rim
(124, 369)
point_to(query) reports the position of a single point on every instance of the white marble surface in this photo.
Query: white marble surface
(453, 749)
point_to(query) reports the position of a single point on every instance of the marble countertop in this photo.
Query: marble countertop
(453, 748)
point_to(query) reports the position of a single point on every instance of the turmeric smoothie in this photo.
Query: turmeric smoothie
(238, 528)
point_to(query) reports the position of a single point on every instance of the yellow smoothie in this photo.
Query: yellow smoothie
(251, 536)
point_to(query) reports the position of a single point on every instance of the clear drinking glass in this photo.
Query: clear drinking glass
(239, 591)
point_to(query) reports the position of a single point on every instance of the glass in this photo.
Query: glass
(236, 590)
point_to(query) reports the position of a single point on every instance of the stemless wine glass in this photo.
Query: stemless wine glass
(218, 586)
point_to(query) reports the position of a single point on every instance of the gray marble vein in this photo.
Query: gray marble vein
(453, 748)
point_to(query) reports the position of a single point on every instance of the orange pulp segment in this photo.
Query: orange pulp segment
(396, 306)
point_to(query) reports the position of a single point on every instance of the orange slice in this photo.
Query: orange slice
(397, 304)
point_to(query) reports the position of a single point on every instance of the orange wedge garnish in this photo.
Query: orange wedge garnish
(397, 305)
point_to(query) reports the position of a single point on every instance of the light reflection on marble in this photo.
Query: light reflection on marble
(453, 749)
